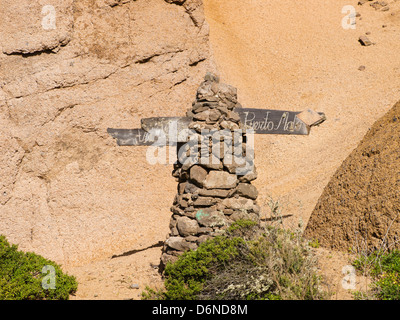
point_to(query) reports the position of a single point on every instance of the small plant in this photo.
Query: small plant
(314, 243)
(384, 269)
(247, 262)
(21, 276)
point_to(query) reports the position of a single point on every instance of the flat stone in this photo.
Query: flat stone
(205, 230)
(229, 125)
(190, 214)
(209, 218)
(238, 203)
(365, 41)
(192, 238)
(199, 110)
(220, 180)
(205, 202)
(247, 190)
(219, 193)
(202, 116)
(180, 244)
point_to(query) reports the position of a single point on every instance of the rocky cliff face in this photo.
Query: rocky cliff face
(68, 71)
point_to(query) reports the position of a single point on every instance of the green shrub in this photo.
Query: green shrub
(247, 262)
(21, 276)
(314, 243)
(384, 269)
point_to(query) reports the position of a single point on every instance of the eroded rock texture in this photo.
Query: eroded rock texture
(68, 71)
(359, 208)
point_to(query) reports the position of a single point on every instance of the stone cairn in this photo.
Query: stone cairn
(214, 187)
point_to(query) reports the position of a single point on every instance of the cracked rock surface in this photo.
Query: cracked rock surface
(67, 191)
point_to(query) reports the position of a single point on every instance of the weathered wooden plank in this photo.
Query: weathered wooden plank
(131, 137)
(165, 123)
(174, 129)
(260, 120)
(273, 121)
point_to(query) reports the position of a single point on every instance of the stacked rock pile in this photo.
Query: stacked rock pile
(214, 172)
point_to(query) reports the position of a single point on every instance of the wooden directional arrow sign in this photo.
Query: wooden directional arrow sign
(260, 120)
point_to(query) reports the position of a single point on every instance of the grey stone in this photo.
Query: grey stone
(200, 109)
(181, 187)
(250, 176)
(192, 238)
(172, 222)
(180, 244)
(232, 163)
(177, 210)
(198, 174)
(233, 116)
(227, 92)
(223, 150)
(238, 203)
(247, 190)
(182, 202)
(211, 162)
(202, 116)
(204, 90)
(211, 219)
(187, 226)
(205, 230)
(365, 41)
(205, 202)
(218, 193)
(229, 125)
(191, 188)
(134, 286)
(220, 180)
(214, 115)
(211, 77)
(172, 227)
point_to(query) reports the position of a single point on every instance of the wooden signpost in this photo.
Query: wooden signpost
(262, 121)
(214, 177)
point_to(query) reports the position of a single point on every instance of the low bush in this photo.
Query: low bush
(246, 263)
(21, 276)
(384, 269)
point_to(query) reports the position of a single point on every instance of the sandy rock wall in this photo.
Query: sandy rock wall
(68, 71)
(359, 208)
